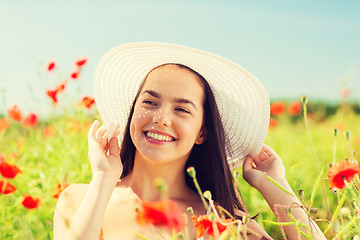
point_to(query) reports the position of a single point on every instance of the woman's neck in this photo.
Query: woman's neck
(144, 173)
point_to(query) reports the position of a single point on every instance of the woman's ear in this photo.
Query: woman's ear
(202, 136)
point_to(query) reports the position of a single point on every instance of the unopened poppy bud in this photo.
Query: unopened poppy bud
(207, 195)
(336, 132)
(190, 210)
(301, 194)
(191, 171)
(180, 236)
(160, 185)
(245, 219)
(236, 174)
(304, 100)
(314, 210)
(344, 211)
(348, 135)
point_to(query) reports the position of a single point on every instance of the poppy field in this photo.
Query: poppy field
(318, 144)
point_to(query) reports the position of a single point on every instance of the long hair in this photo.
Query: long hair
(208, 159)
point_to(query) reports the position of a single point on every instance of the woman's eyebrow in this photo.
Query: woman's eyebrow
(152, 93)
(177, 100)
(184, 100)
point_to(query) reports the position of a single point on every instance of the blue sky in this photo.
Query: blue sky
(294, 48)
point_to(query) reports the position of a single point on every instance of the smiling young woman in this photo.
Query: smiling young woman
(166, 107)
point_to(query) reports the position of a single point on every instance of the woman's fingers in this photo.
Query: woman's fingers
(261, 157)
(249, 174)
(114, 147)
(248, 163)
(100, 136)
(92, 131)
(100, 133)
(265, 154)
(269, 151)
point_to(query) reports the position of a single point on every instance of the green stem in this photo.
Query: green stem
(342, 200)
(348, 137)
(278, 223)
(299, 224)
(140, 236)
(315, 156)
(200, 192)
(334, 148)
(345, 228)
(278, 185)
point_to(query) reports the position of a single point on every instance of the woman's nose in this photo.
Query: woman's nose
(162, 117)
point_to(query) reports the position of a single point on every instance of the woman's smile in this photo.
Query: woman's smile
(156, 137)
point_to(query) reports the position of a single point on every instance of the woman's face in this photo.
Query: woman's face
(168, 115)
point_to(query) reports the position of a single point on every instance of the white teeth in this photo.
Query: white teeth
(159, 137)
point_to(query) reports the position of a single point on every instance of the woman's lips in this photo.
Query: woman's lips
(158, 138)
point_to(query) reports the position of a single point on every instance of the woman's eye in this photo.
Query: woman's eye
(182, 110)
(149, 102)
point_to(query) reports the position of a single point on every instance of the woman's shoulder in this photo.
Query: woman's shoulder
(73, 192)
(70, 199)
(67, 205)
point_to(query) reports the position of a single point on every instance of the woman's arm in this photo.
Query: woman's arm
(80, 209)
(268, 162)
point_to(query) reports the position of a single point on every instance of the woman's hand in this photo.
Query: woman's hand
(266, 162)
(104, 156)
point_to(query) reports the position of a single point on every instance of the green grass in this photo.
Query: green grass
(45, 161)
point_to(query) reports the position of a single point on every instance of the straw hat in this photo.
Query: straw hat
(242, 100)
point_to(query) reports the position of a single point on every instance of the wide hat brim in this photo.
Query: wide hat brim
(242, 100)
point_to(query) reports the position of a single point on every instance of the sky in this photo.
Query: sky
(294, 48)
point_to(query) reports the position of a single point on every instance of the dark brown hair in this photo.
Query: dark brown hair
(208, 159)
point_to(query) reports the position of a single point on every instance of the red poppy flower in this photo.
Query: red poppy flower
(30, 121)
(74, 75)
(61, 87)
(87, 102)
(203, 223)
(273, 123)
(6, 187)
(4, 124)
(277, 108)
(163, 213)
(58, 190)
(338, 173)
(51, 66)
(295, 108)
(14, 113)
(81, 62)
(30, 202)
(53, 95)
(8, 170)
